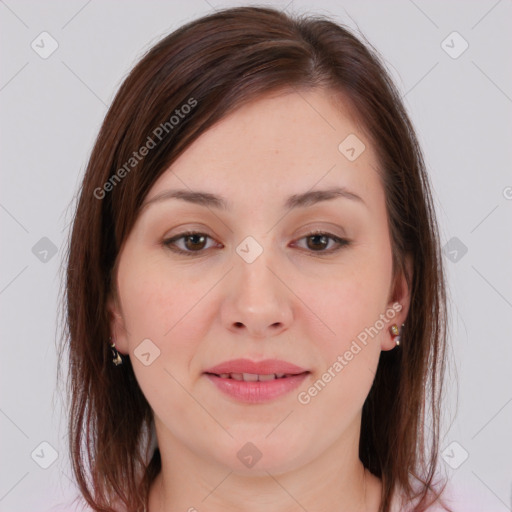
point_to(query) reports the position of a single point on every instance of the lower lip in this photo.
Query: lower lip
(257, 392)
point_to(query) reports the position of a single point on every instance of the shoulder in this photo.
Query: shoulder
(468, 496)
(78, 504)
(455, 497)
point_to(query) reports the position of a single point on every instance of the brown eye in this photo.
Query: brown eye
(189, 243)
(317, 242)
(195, 242)
(325, 243)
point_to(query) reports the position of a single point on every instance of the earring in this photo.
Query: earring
(396, 333)
(117, 360)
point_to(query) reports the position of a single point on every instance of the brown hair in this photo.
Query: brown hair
(216, 64)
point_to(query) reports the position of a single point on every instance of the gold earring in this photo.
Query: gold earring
(117, 360)
(396, 333)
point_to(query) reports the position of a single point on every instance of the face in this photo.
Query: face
(284, 264)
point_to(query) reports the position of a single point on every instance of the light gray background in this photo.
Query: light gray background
(51, 110)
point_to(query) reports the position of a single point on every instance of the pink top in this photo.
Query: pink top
(466, 498)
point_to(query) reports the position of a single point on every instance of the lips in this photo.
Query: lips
(256, 382)
(266, 367)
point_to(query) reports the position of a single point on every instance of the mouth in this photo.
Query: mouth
(254, 377)
(246, 381)
(264, 368)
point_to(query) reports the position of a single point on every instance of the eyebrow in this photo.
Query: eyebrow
(208, 199)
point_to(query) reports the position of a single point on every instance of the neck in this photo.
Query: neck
(334, 481)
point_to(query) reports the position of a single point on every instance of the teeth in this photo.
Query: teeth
(250, 377)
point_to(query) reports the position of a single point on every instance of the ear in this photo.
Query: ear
(118, 330)
(399, 301)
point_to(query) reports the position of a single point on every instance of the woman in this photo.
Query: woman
(255, 295)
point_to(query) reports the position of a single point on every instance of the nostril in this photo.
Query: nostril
(239, 324)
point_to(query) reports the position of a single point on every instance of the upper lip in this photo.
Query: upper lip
(266, 367)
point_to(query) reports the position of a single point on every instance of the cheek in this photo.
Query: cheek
(172, 309)
(349, 347)
(350, 301)
(157, 306)
(163, 310)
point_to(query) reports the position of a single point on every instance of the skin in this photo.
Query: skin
(292, 303)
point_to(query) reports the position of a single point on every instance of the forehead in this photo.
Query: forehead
(280, 142)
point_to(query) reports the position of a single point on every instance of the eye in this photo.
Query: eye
(191, 242)
(194, 242)
(324, 242)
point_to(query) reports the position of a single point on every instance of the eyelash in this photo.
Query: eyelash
(341, 242)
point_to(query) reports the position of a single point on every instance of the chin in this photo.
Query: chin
(258, 456)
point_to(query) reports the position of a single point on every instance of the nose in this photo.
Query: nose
(257, 303)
